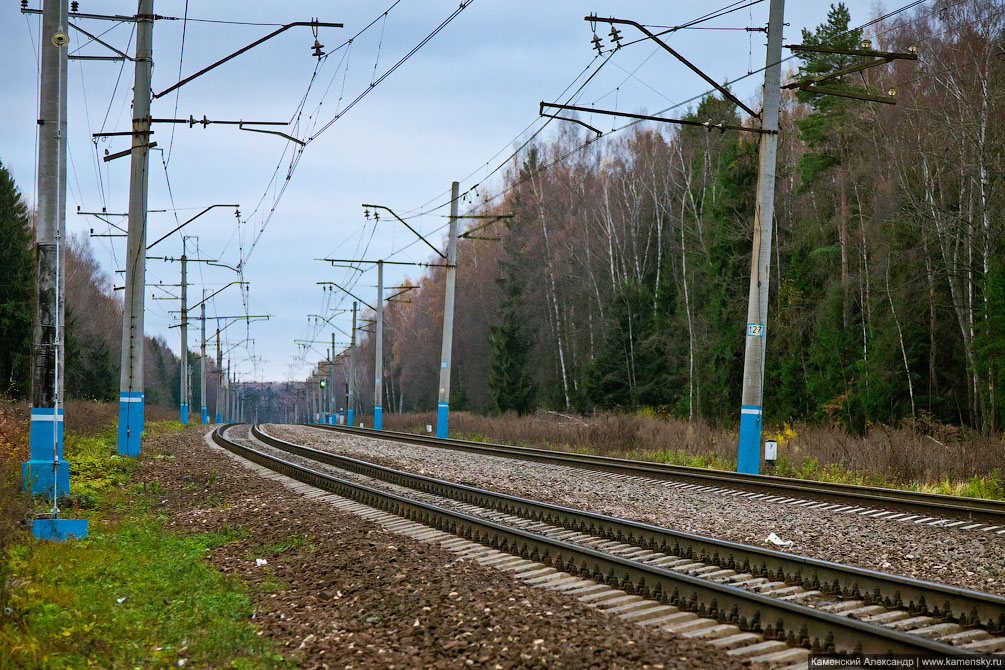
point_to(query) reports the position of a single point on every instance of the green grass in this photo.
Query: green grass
(134, 593)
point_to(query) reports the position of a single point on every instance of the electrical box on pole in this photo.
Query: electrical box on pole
(748, 456)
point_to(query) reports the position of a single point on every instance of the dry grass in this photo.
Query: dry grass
(14, 503)
(919, 454)
(603, 434)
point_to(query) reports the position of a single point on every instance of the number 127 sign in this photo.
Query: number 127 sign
(755, 330)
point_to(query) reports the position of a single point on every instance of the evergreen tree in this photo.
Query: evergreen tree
(15, 289)
(509, 378)
(827, 129)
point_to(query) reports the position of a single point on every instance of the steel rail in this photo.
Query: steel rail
(772, 618)
(913, 502)
(918, 597)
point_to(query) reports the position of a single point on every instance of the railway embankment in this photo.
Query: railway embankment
(214, 565)
(937, 553)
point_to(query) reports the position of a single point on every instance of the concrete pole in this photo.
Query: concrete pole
(748, 456)
(443, 401)
(332, 416)
(45, 471)
(351, 396)
(219, 377)
(203, 414)
(183, 391)
(315, 400)
(227, 414)
(378, 359)
(131, 376)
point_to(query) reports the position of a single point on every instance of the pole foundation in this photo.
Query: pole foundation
(748, 457)
(130, 423)
(183, 414)
(36, 472)
(58, 530)
(377, 410)
(349, 418)
(441, 419)
(203, 415)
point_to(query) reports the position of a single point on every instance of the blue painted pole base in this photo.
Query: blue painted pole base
(58, 530)
(219, 417)
(36, 473)
(130, 423)
(37, 477)
(377, 411)
(349, 418)
(183, 414)
(203, 415)
(441, 419)
(748, 453)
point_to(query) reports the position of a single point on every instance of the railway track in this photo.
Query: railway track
(892, 504)
(677, 571)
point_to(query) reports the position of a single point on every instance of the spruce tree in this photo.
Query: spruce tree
(509, 379)
(15, 289)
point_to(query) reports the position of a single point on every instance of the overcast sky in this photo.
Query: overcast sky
(453, 111)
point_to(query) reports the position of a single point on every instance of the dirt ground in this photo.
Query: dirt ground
(340, 592)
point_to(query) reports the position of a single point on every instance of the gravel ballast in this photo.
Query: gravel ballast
(337, 591)
(963, 558)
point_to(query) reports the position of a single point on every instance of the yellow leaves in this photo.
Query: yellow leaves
(785, 435)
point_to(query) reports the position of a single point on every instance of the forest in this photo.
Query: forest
(621, 281)
(93, 329)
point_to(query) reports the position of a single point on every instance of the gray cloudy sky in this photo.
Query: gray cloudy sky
(451, 112)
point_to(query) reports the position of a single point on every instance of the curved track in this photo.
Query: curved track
(928, 506)
(772, 617)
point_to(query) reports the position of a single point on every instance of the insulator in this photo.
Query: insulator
(74, 6)
(615, 35)
(866, 44)
(597, 43)
(24, 4)
(317, 47)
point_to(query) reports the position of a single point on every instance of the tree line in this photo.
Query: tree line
(621, 281)
(93, 318)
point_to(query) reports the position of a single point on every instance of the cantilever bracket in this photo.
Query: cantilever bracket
(707, 125)
(94, 38)
(313, 24)
(405, 223)
(241, 126)
(121, 154)
(567, 118)
(878, 58)
(651, 35)
(496, 218)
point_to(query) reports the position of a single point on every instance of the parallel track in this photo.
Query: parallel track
(773, 618)
(920, 598)
(930, 505)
